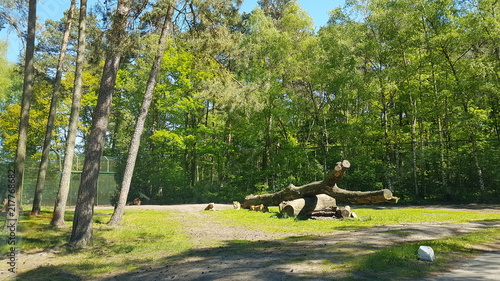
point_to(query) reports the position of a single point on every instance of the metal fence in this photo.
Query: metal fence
(106, 185)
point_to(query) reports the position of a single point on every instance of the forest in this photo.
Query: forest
(247, 103)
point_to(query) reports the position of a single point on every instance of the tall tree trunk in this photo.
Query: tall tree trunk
(44, 162)
(495, 113)
(414, 149)
(482, 186)
(388, 146)
(442, 158)
(141, 119)
(413, 110)
(81, 233)
(64, 183)
(266, 153)
(12, 217)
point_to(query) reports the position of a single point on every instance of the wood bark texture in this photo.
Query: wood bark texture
(307, 205)
(22, 140)
(81, 234)
(44, 161)
(141, 119)
(69, 152)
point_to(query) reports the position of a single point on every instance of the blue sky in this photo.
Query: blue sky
(54, 9)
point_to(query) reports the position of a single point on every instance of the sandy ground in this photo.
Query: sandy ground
(482, 268)
(304, 257)
(228, 253)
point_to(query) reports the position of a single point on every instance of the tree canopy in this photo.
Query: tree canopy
(407, 91)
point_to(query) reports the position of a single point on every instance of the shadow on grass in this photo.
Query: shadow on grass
(282, 259)
(264, 260)
(310, 257)
(305, 257)
(49, 273)
(295, 258)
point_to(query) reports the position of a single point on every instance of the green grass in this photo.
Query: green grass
(114, 249)
(271, 222)
(149, 237)
(402, 260)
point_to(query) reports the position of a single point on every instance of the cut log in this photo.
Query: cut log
(363, 197)
(327, 186)
(327, 212)
(334, 213)
(343, 212)
(307, 205)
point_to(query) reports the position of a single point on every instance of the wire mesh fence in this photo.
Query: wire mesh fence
(106, 185)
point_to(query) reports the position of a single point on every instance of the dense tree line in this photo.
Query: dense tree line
(407, 91)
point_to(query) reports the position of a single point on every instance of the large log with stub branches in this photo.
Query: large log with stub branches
(327, 186)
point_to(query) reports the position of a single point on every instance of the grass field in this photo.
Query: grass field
(367, 218)
(148, 237)
(143, 237)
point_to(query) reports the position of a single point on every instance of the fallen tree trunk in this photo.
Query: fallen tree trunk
(307, 205)
(327, 186)
(334, 213)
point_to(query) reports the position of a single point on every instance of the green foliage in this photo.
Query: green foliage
(9, 95)
(9, 121)
(6, 76)
(406, 91)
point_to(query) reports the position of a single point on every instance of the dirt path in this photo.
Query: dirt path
(228, 253)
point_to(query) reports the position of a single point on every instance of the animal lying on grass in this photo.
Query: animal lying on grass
(259, 208)
(210, 207)
(136, 201)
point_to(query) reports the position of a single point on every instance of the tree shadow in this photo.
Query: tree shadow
(264, 260)
(49, 273)
(299, 257)
(306, 257)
